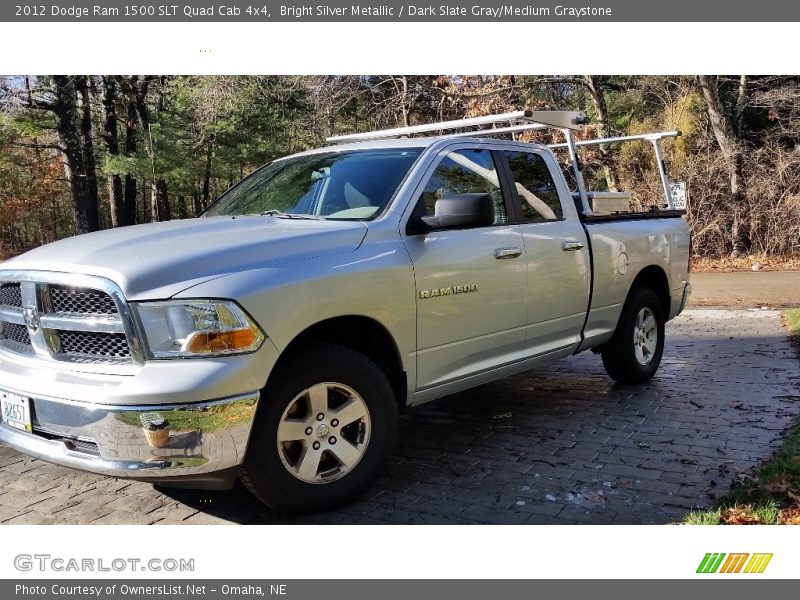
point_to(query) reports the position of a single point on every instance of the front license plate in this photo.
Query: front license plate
(15, 411)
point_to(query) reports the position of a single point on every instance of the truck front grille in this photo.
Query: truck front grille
(10, 295)
(81, 301)
(91, 343)
(16, 333)
(51, 320)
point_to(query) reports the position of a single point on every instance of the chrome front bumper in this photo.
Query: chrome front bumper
(204, 443)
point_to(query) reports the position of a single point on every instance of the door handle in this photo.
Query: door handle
(571, 245)
(501, 253)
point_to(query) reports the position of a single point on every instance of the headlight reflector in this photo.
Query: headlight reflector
(189, 328)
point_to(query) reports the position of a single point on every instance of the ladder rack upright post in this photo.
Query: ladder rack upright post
(577, 171)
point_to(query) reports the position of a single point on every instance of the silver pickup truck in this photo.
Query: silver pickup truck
(275, 338)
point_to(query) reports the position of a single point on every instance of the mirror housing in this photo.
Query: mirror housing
(459, 211)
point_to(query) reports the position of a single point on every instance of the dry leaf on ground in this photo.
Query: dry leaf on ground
(739, 515)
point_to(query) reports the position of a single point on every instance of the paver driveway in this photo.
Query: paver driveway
(561, 444)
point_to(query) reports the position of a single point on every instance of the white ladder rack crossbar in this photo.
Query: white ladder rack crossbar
(501, 130)
(558, 119)
(650, 137)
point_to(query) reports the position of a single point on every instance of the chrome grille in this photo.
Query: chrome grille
(91, 343)
(16, 333)
(10, 295)
(87, 323)
(81, 301)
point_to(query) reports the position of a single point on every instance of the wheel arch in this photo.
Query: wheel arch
(654, 278)
(362, 334)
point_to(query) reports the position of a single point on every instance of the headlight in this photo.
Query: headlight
(188, 328)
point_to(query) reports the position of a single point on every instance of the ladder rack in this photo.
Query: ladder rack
(558, 119)
(529, 120)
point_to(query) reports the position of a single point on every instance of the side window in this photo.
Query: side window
(536, 188)
(464, 172)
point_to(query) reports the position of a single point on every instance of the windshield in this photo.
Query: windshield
(334, 185)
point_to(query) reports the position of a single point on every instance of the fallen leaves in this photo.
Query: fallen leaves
(739, 515)
(789, 516)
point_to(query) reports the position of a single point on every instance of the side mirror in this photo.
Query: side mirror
(460, 211)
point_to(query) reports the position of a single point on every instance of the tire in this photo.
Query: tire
(292, 470)
(632, 355)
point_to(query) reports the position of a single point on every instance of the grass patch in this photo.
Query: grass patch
(703, 517)
(771, 495)
(791, 318)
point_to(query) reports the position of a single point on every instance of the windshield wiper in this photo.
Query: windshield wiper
(282, 215)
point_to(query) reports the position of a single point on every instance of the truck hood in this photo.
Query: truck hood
(159, 260)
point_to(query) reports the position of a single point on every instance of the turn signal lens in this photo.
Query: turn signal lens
(221, 342)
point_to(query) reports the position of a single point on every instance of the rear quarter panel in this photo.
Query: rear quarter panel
(620, 251)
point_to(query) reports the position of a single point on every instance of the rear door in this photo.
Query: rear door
(557, 252)
(471, 283)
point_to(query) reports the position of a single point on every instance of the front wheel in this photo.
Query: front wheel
(326, 424)
(634, 352)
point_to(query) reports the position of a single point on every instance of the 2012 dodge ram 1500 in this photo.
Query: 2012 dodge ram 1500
(275, 338)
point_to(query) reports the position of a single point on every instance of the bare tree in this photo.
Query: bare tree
(727, 132)
(594, 86)
(111, 137)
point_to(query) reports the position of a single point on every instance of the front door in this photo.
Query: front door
(470, 283)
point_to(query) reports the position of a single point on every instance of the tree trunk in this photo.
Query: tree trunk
(601, 110)
(139, 90)
(129, 204)
(724, 132)
(144, 214)
(207, 175)
(161, 208)
(69, 123)
(89, 162)
(114, 183)
(406, 103)
(154, 203)
(183, 212)
(741, 103)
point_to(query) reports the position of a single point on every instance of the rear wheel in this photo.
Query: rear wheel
(326, 424)
(633, 354)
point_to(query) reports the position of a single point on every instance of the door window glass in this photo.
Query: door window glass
(464, 172)
(535, 187)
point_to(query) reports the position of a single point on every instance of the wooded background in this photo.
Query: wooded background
(80, 153)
